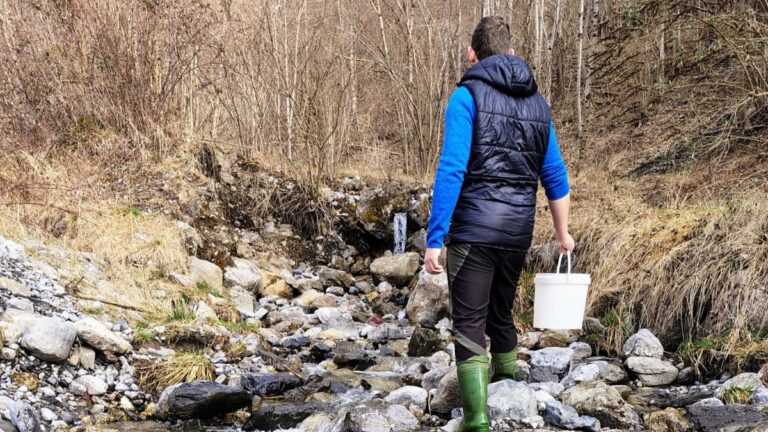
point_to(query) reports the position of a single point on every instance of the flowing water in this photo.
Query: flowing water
(400, 228)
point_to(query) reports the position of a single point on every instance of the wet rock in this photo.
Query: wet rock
(352, 356)
(271, 416)
(447, 396)
(428, 302)
(512, 399)
(668, 420)
(550, 338)
(243, 273)
(550, 364)
(685, 376)
(597, 399)
(268, 384)
(566, 417)
(726, 418)
(643, 344)
(90, 384)
(199, 399)
(49, 339)
(425, 342)
(97, 335)
(651, 371)
(321, 351)
(330, 277)
(379, 416)
(398, 269)
(408, 395)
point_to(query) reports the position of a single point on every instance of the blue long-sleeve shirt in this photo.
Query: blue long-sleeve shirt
(459, 125)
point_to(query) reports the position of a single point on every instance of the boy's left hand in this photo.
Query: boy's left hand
(432, 261)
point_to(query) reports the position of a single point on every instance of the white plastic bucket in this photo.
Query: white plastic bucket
(560, 299)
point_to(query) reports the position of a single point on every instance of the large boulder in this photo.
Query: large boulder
(651, 371)
(97, 335)
(512, 399)
(201, 271)
(598, 399)
(331, 277)
(280, 416)
(243, 273)
(398, 268)
(566, 417)
(582, 372)
(49, 339)
(23, 416)
(709, 418)
(747, 381)
(643, 344)
(200, 399)
(379, 416)
(428, 302)
(408, 395)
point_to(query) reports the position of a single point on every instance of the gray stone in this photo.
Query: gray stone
(712, 401)
(759, 397)
(243, 273)
(87, 358)
(428, 302)
(243, 301)
(727, 418)
(93, 385)
(333, 317)
(566, 417)
(611, 372)
(20, 304)
(431, 379)
(331, 277)
(643, 344)
(49, 339)
(447, 396)
(206, 272)
(651, 371)
(512, 399)
(97, 335)
(24, 417)
(398, 268)
(744, 381)
(408, 395)
(581, 350)
(200, 399)
(379, 416)
(550, 364)
(14, 287)
(385, 332)
(424, 342)
(281, 416)
(599, 400)
(581, 373)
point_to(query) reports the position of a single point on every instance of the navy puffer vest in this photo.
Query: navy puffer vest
(497, 204)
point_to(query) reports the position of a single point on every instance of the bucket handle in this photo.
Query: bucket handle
(560, 262)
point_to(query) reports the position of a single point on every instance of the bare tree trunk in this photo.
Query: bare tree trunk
(550, 51)
(579, 61)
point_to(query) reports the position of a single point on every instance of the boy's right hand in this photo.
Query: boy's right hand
(432, 261)
(566, 243)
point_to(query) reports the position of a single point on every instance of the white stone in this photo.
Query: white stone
(93, 385)
(429, 300)
(408, 395)
(243, 273)
(652, 371)
(94, 333)
(643, 344)
(49, 339)
(512, 399)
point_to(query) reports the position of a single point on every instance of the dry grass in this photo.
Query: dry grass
(178, 368)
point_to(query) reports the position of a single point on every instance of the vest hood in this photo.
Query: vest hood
(506, 73)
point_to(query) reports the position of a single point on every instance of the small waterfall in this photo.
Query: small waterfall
(400, 228)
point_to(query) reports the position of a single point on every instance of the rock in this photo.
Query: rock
(551, 338)
(97, 335)
(26, 379)
(20, 303)
(397, 269)
(566, 417)
(23, 416)
(512, 399)
(649, 398)
(408, 395)
(581, 350)
(269, 384)
(550, 364)
(203, 312)
(47, 415)
(49, 339)
(330, 277)
(206, 272)
(307, 298)
(279, 288)
(15, 288)
(447, 395)
(759, 397)
(643, 344)
(92, 385)
(243, 301)
(552, 388)
(379, 416)
(611, 372)
(711, 401)
(428, 302)
(352, 356)
(668, 420)
(277, 416)
(593, 326)
(652, 371)
(7, 354)
(431, 379)
(6, 426)
(333, 317)
(601, 401)
(243, 273)
(424, 342)
(190, 237)
(199, 399)
(581, 373)
(746, 381)
(385, 332)
(726, 418)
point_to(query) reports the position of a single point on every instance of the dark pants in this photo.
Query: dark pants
(483, 282)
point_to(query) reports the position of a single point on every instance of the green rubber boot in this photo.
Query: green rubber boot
(473, 386)
(504, 367)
